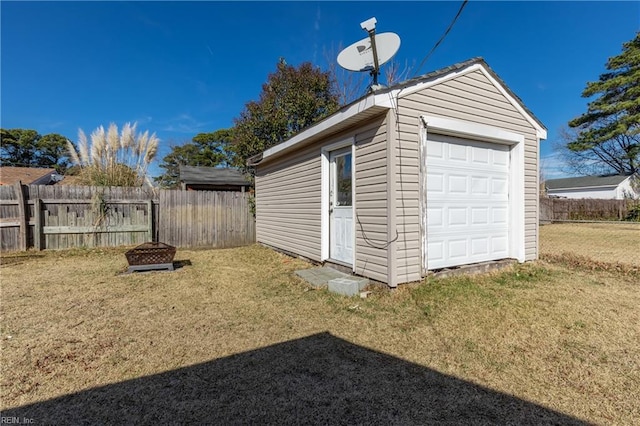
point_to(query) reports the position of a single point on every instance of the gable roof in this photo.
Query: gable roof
(585, 182)
(380, 101)
(481, 64)
(192, 175)
(28, 175)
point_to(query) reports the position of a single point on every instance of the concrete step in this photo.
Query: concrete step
(319, 277)
(348, 286)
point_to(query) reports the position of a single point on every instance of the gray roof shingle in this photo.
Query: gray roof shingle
(192, 175)
(585, 182)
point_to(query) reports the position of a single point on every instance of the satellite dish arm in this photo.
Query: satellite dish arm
(370, 27)
(376, 65)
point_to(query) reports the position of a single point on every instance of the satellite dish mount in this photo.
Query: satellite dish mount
(370, 27)
(368, 54)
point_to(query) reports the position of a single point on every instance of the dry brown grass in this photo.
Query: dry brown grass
(566, 339)
(602, 242)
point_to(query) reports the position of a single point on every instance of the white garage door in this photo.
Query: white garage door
(467, 201)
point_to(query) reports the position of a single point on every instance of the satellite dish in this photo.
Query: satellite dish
(369, 53)
(360, 57)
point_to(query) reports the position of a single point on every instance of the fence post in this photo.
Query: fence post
(150, 219)
(37, 226)
(23, 220)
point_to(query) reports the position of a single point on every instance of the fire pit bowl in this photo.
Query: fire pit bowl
(150, 256)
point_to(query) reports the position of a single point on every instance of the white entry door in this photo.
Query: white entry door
(467, 201)
(341, 205)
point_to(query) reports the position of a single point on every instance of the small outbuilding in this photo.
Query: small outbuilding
(610, 187)
(10, 175)
(194, 178)
(436, 172)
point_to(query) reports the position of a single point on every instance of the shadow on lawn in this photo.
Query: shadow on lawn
(320, 379)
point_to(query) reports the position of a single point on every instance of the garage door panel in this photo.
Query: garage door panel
(452, 217)
(480, 216)
(499, 215)
(457, 153)
(480, 185)
(479, 156)
(435, 218)
(435, 182)
(457, 184)
(499, 186)
(435, 249)
(446, 185)
(500, 244)
(480, 246)
(457, 216)
(467, 202)
(458, 250)
(500, 156)
(488, 231)
(435, 149)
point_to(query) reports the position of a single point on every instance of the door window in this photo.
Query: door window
(343, 180)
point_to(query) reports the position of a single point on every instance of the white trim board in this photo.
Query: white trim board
(325, 152)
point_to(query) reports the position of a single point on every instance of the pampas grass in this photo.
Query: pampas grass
(114, 159)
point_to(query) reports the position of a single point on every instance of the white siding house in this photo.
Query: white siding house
(614, 187)
(437, 172)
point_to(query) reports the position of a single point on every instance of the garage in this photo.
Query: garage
(440, 171)
(467, 201)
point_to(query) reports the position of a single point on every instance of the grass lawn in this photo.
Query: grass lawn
(604, 242)
(235, 337)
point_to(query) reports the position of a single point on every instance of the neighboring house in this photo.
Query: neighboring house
(436, 172)
(71, 180)
(616, 187)
(212, 179)
(29, 176)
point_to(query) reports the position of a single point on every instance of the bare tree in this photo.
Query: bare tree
(610, 157)
(394, 73)
(349, 85)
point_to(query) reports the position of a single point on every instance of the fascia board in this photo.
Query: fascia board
(333, 120)
(571, 188)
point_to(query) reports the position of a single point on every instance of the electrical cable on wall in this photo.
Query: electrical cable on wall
(464, 3)
(368, 241)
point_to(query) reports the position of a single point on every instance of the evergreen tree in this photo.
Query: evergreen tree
(608, 133)
(27, 148)
(206, 149)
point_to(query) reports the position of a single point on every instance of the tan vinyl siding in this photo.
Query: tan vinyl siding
(288, 203)
(470, 97)
(371, 201)
(408, 261)
(288, 200)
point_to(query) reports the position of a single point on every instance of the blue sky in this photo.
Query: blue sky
(181, 68)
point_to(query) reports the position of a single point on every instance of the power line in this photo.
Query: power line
(464, 3)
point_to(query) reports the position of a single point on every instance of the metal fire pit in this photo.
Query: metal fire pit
(151, 256)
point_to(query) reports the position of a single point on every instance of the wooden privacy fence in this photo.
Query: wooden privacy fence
(60, 217)
(559, 209)
(205, 219)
